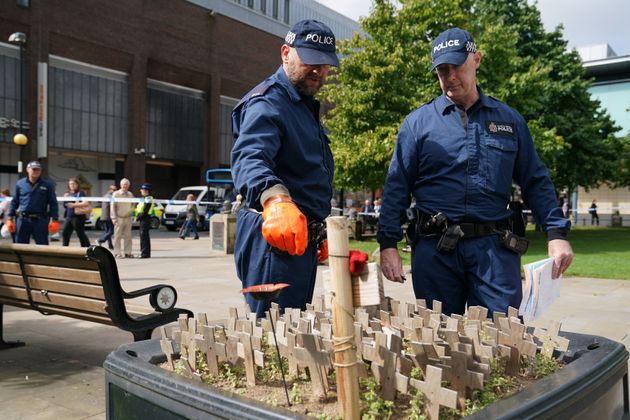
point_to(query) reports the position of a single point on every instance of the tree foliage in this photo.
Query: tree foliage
(385, 74)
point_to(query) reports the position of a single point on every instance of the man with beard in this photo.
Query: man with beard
(283, 167)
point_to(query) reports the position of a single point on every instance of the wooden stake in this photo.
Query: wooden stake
(343, 319)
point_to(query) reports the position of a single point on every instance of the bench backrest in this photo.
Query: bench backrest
(55, 280)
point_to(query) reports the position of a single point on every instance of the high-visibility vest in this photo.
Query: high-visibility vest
(140, 206)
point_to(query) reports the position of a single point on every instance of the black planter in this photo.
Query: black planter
(594, 384)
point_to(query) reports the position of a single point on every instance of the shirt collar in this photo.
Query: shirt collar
(283, 80)
(445, 105)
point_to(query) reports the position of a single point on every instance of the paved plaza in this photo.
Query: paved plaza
(59, 375)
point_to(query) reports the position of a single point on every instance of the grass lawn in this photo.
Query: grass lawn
(599, 252)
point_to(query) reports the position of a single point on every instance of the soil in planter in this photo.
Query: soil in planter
(270, 390)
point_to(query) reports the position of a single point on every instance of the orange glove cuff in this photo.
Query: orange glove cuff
(11, 226)
(280, 198)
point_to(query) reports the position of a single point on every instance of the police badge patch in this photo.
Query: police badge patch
(497, 128)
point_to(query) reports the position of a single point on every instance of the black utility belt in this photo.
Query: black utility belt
(32, 215)
(449, 233)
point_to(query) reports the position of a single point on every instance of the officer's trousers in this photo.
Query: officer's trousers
(38, 228)
(479, 272)
(145, 239)
(256, 263)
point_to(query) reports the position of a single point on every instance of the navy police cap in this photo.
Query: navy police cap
(146, 186)
(314, 43)
(452, 47)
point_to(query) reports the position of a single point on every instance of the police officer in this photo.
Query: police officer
(457, 155)
(34, 204)
(283, 167)
(144, 214)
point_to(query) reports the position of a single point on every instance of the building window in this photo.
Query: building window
(226, 137)
(263, 6)
(274, 10)
(286, 11)
(23, 3)
(250, 4)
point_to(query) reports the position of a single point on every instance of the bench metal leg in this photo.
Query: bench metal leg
(142, 335)
(6, 344)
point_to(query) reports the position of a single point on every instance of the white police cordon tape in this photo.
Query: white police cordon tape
(121, 200)
(600, 209)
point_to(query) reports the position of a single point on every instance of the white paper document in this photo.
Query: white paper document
(539, 290)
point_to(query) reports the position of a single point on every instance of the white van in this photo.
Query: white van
(175, 214)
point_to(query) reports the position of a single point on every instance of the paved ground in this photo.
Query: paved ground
(58, 374)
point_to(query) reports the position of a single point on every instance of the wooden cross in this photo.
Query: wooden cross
(460, 377)
(386, 374)
(202, 319)
(436, 396)
(421, 303)
(290, 355)
(375, 325)
(514, 338)
(210, 349)
(479, 313)
(231, 349)
(318, 304)
(248, 358)
(512, 312)
(550, 339)
(167, 347)
(231, 321)
(483, 352)
(316, 361)
(362, 317)
(437, 306)
(496, 316)
(404, 365)
(483, 368)
(385, 317)
(395, 304)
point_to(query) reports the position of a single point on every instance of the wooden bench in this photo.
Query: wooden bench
(79, 283)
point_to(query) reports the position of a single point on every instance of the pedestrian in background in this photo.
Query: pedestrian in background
(144, 214)
(593, 211)
(106, 219)
(35, 206)
(73, 220)
(192, 215)
(4, 214)
(120, 213)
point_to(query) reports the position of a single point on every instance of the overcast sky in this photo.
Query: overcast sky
(585, 22)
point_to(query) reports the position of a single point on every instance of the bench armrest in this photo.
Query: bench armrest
(162, 297)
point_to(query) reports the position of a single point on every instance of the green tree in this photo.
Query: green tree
(385, 74)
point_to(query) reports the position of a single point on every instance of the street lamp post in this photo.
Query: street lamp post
(19, 39)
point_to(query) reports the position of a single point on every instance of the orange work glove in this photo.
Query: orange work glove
(53, 226)
(11, 226)
(322, 251)
(358, 260)
(284, 225)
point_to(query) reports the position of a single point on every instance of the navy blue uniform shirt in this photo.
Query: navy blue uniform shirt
(38, 198)
(280, 140)
(462, 164)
